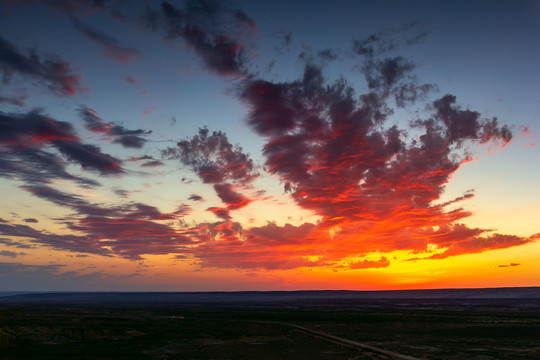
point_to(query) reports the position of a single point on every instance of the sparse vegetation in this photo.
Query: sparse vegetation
(234, 332)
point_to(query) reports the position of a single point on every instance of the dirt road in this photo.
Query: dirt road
(391, 354)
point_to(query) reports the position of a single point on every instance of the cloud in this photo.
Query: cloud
(153, 163)
(56, 241)
(16, 244)
(228, 245)
(129, 230)
(317, 131)
(210, 29)
(54, 72)
(12, 254)
(6, 268)
(195, 197)
(33, 128)
(470, 244)
(27, 150)
(328, 54)
(213, 158)
(221, 213)
(466, 124)
(387, 72)
(32, 165)
(509, 265)
(18, 101)
(89, 157)
(367, 264)
(31, 220)
(229, 196)
(119, 134)
(122, 193)
(112, 47)
(131, 79)
(216, 161)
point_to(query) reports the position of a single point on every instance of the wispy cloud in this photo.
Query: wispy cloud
(26, 141)
(55, 73)
(207, 28)
(112, 47)
(119, 134)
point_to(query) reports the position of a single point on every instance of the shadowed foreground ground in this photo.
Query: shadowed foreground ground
(479, 330)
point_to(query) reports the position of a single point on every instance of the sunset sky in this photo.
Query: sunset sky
(269, 145)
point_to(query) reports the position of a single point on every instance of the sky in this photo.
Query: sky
(285, 145)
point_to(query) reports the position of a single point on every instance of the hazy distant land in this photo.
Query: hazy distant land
(512, 296)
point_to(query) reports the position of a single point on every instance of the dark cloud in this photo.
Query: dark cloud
(6, 268)
(132, 210)
(143, 157)
(32, 165)
(128, 230)
(328, 54)
(15, 244)
(389, 40)
(209, 28)
(195, 197)
(213, 158)
(54, 72)
(31, 220)
(89, 157)
(24, 138)
(131, 237)
(33, 128)
(153, 163)
(12, 254)
(466, 124)
(216, 161)
(122, 193)
(18, 101)
(112, 47)
(119, 134)
(55, 241)
(229, 196)
(222, 213)
(285, 40)
(387, 72)
(131, 79)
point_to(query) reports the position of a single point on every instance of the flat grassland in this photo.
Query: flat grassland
(247, 331)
